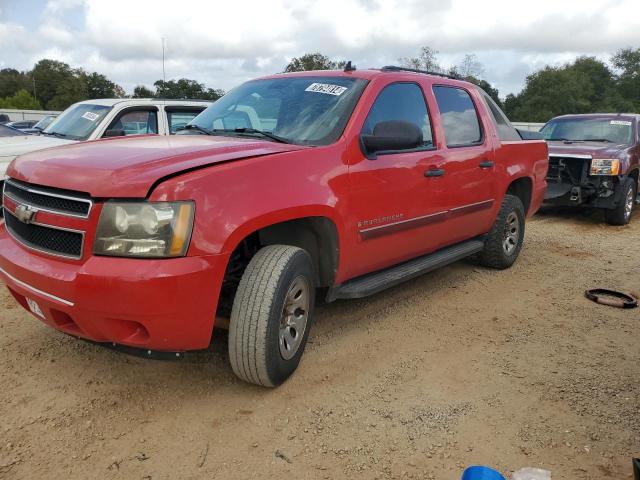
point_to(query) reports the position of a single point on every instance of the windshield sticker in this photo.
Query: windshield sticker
(326, 88)
(92, 117)
(620, 122)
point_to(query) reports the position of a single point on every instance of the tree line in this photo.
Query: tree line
(54, 85)
(585, 85)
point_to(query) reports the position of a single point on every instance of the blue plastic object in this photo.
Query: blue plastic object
(481, 473)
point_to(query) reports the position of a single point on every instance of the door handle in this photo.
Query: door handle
(486, 164)
(435, 172)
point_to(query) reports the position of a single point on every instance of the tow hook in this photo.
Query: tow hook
(576, 194)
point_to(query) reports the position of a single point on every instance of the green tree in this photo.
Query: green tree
(185, 88)
(21, 100)
(54, 78)
(11, 81)
(586, 85)
(313, 61)
(142, 92)
(99, 86)
(627, 63)
(72, 90)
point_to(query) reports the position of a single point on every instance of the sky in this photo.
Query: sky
(223, 43)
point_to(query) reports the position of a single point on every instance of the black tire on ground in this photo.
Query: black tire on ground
(261, 333)
(621, 214)
(504, 242)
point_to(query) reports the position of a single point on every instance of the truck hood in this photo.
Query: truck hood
(10, 147)
(128, 167)
(595, 149)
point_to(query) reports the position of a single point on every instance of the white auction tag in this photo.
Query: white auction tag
(92, 117)
(326, 88)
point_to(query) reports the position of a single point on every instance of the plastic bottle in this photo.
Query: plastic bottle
(530, 473)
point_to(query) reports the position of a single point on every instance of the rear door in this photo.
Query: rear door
(469, 163)
(395, 210)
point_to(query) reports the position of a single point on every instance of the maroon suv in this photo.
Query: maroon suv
(594, 160)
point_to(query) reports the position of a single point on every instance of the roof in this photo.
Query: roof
(110, 102)
(598, 115)
(370, 74)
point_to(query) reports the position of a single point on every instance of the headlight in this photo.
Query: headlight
(144, 229)
(605, 166)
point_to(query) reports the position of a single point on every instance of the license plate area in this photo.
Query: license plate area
(34, 307)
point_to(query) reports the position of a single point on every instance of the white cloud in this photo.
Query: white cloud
(224, 43)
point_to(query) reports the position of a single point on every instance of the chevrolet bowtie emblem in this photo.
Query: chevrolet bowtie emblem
(25, 213)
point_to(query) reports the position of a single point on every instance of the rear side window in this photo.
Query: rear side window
(179, 118)
(459, 116)
(506, 132)
(404, 102)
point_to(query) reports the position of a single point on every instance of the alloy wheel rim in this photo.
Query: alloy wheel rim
(628, 205)
(511, 233)
(295, 314)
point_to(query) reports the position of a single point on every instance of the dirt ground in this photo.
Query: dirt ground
(462, 366)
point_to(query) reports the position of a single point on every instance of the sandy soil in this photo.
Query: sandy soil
(462, 366)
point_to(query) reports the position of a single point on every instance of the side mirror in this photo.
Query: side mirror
(392, 135)
(114, 133)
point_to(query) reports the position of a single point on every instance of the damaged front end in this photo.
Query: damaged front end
(571, 180)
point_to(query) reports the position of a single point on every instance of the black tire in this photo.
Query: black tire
(258, 310)
(495, 253)
(621, 214)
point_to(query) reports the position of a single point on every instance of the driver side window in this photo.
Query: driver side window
(135, 122)
(401, 102)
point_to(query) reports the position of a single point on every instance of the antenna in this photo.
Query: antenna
(349, 68)
(164, 77)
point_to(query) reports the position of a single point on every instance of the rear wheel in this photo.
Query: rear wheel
(621, 214)
(271, 315)
(504, 241)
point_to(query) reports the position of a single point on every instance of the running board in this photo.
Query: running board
(376, 282)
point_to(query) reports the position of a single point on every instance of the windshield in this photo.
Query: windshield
(589, 129)
(302, 110)
(78, 121)
(44, 122)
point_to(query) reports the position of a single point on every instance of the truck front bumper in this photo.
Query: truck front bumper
(598, 192)
(155, 304)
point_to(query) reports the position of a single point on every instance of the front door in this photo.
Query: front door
(397, 200)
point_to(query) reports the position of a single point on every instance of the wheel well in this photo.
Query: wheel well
(317, 235)
(634, 174)
(521, 188)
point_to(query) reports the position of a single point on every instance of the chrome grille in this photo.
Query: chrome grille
(66, 243)
(48, 238)
(51, 200)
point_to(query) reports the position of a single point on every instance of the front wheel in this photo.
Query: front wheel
(504, 241)
(271, 315)
(621, 214)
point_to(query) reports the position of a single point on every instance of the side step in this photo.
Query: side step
(376, 282)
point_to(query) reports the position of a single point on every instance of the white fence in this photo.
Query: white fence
(16, 115)
(534, 127)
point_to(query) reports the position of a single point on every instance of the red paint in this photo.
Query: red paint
(242, 185)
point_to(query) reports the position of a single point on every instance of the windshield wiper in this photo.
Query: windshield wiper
(561, 139)
(196, 127)
(56, 134)
(594, 140)
(251, 131)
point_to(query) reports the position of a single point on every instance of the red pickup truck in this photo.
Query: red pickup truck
(339, 183)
